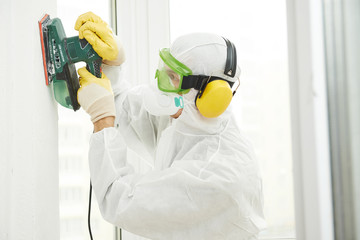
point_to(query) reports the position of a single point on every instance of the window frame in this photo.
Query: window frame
(342, 55)
(309, 116)
(144, 27)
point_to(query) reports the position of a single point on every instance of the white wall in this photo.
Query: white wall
(28, 120)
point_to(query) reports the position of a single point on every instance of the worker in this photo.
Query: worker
(204, 180)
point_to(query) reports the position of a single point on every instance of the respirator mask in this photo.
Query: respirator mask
(160, 103)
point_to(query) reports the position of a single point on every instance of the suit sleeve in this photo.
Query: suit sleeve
(186, 200)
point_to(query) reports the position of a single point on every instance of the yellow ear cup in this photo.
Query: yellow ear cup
(215, 99)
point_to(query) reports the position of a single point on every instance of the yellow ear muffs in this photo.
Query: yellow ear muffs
(214, 99)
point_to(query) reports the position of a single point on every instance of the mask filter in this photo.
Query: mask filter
(159, 103)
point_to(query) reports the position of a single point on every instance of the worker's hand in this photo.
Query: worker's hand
(120, 59)
(98, 34)
(95, 95)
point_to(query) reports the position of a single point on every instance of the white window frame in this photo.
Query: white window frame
(309, 116)
(144, 27)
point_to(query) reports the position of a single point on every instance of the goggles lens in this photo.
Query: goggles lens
(168, 80)
(170, 72)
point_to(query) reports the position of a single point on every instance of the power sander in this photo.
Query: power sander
(60, 55)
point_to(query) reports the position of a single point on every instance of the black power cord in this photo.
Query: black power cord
(89, 226)
(118, 230)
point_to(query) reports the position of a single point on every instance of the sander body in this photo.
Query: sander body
(59, 57)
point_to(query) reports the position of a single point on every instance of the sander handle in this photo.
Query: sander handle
(80, 50)
(94, 67)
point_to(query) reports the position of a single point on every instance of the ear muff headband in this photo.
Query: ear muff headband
(215, 95)
(231, 58)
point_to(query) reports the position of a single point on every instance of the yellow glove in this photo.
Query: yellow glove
(98, 34)
(95, 95)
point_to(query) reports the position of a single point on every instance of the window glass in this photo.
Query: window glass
(261, 105)
(75, 129)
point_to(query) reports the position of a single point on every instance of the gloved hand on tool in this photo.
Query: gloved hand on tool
(100, 36)
(96, 98)
(95, 94)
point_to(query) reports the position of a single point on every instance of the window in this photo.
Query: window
(75, 129)
(71, 163)
(71, 227)
(70, 195)
(262, 105)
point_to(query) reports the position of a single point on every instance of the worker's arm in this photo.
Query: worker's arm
(192, 199)
(102, 98)
(104, 123)
(132, 118)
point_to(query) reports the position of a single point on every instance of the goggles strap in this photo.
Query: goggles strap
(199, 82)
(193, 81)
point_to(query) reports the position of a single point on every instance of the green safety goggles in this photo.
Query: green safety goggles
(174, 76)
(170, 73)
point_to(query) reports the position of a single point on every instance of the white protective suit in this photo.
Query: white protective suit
(204, 182)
